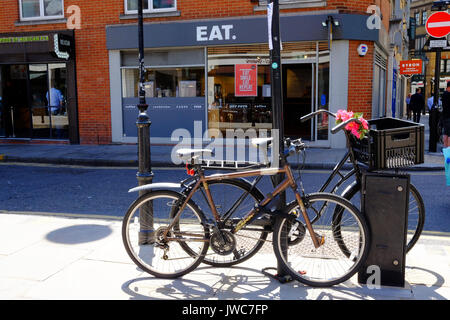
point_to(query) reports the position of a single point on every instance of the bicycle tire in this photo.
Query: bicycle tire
(416, 213)
(154, 255)
(250, 239)
(327, 265)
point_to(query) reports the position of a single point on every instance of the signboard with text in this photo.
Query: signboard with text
(411, 67)
(246, 80)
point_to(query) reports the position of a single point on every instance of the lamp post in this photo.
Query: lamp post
(144, 175)
(277, 106)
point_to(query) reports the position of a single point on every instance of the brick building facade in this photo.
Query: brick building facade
(103, 61)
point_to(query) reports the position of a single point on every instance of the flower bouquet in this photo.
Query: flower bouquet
(358, 130)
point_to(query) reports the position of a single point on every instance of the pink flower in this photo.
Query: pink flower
(344, 115)
(364, 122)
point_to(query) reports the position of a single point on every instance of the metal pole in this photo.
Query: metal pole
(277, 107)
(144, 175)
(433, 112)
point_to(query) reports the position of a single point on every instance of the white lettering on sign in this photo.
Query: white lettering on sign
(216, 32)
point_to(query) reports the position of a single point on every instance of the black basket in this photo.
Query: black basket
(391, 143)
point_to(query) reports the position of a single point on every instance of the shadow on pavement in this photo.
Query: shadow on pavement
(79, 234)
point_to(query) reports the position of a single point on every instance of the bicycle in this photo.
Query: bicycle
(239, 195)
(177, 237)
(416, 207)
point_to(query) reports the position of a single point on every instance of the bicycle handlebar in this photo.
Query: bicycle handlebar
(336, 128)
(313, 114)
(344, 124)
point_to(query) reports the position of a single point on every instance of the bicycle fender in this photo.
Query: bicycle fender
(150, 186)
(348, 189)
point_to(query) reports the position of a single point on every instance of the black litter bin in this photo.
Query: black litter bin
(384, 202)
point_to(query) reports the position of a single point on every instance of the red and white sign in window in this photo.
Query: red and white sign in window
(246, 80)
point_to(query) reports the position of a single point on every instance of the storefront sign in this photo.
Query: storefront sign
(7, 40)
(246, 80)
(237, 31)
(411, 67)
(62, 46)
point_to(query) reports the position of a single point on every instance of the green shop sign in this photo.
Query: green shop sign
(24, 39)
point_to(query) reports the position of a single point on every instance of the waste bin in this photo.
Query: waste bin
(384, 203)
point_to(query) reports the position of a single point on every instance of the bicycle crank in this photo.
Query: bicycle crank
(222, 242)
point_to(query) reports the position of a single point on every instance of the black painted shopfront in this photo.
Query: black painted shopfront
(38, 86)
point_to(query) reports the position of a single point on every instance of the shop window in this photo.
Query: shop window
(308, 3)
(445, 66)
(41, 9)
(165, 82)
(239, 94)
(131, 6)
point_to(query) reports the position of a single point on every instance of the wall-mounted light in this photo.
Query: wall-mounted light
(329, 23)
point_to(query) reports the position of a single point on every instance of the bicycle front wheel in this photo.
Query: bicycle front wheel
(326, 265)
(157, 249)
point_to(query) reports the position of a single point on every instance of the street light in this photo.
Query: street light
(144, 175)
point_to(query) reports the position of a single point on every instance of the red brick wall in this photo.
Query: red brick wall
(360, 79)
(92, 56)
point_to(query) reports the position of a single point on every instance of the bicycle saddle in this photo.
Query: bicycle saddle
(188, 154)
(261, 142)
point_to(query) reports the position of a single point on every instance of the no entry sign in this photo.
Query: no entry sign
(438, 24)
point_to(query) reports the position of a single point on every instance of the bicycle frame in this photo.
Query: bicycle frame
(289, 181)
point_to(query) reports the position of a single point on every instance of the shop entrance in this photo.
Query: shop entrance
(297, 99)
(33, 103)
(306, 89)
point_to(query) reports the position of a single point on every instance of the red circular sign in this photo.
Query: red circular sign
(438, 24)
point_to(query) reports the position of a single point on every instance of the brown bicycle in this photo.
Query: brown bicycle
(307, 236)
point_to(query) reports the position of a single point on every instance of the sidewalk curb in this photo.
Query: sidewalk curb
(156, 163)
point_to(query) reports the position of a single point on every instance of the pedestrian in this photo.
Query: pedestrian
(55, 101)
(408, 107)
(417, 104)
(446, 115)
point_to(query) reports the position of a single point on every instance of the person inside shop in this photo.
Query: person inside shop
(56, 100)
(417, 104)
(446, 115)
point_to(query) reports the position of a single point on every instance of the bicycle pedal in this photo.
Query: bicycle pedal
(320, 239)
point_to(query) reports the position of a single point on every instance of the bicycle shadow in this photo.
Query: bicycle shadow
(246, 283)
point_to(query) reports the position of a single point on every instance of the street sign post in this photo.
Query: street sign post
(437, 26)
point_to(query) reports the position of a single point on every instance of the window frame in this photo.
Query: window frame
(42, 16)
(150, 9)
(418, 17)
(424, 15)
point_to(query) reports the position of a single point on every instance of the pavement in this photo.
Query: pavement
(75, 257)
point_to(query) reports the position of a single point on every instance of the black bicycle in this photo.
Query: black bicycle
(235, 197)
(416, 207)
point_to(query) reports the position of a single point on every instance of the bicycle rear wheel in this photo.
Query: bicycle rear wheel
(234, 198)
(147, 221)
(327, 265)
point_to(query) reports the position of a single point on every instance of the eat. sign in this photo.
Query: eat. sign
(438, 24)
